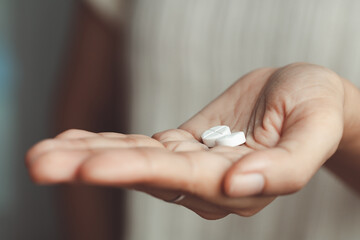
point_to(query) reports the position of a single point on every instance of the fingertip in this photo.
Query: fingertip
(56, 167)
(38, 149)
(43, 170)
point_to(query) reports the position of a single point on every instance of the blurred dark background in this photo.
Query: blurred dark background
(29, 67)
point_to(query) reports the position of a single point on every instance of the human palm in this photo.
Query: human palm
(293, 120)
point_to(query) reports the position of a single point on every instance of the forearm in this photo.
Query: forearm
(345, 163)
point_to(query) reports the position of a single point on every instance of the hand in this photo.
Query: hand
(293, 118)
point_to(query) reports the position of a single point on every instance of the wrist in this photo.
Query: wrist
(351, 134)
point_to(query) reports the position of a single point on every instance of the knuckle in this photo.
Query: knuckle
(69, 133)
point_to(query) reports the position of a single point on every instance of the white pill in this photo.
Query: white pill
(209, 136)
(232, 140)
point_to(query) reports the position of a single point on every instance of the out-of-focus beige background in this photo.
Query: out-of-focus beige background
(191, 51)
(182, 54)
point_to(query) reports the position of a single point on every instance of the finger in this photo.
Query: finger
(90, 143)
(286, 168)
(57, 166)
(198, 173)
(299, 117)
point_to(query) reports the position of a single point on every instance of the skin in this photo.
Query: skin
(295, 118)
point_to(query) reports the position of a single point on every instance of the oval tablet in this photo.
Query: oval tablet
(232, 140)
(209, 136)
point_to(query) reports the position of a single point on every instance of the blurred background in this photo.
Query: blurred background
(32, 40)
(41, 44)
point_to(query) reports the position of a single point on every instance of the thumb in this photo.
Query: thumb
(287, 167)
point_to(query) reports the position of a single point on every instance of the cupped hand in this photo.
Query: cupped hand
(293, 118)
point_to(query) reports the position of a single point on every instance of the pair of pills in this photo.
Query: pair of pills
(222, 136)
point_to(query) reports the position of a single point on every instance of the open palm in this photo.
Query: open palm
(293, 119)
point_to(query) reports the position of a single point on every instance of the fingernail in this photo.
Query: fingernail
(246, 184)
